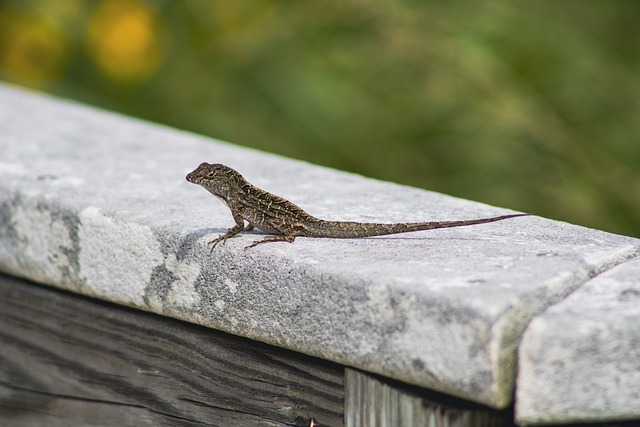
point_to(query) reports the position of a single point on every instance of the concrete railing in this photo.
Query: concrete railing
(528, 308)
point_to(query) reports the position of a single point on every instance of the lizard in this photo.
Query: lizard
(276, 215)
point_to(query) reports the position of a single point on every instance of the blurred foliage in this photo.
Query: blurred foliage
(528, 105)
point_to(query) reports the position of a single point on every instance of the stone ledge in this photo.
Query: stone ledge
(97, 203)
(580, 360)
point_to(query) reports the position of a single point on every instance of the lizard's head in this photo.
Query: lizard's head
(216, 178)
(207, 173)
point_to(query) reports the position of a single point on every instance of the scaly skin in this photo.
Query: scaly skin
(275, 215)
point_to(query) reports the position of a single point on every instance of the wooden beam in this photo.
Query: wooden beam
(70, 360)
(374, 401)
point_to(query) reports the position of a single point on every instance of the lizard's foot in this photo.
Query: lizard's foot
(230, 233)
(215, 242)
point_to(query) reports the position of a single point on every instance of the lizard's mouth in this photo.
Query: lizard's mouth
(192, 178)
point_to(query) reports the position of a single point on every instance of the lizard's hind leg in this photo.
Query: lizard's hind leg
(283, 238)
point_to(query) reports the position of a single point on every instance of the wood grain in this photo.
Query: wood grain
(374, 401)
(68, 360)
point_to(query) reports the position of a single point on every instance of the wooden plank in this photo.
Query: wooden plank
(69, 360)
(373, 401)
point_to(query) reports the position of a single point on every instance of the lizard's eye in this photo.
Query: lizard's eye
(211, 174)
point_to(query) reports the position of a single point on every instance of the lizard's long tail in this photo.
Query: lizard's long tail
(346, 230)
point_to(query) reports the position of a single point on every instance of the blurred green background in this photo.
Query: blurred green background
(533, 106)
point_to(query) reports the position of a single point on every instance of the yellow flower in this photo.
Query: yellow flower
(124, 40)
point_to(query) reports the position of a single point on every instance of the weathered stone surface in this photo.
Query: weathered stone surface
(580, 360)
(98, 204)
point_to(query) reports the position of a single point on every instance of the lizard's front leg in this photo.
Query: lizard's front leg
(232, 231)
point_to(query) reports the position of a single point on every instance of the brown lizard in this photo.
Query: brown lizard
(275, 215)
